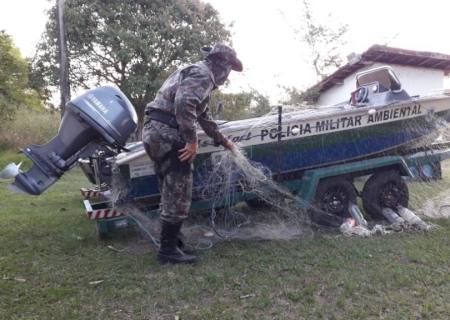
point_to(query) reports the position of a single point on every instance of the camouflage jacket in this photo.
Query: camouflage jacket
(186, 94)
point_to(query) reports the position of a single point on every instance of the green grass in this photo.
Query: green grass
(9, 156)
(49, 254)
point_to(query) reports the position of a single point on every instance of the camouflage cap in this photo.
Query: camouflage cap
(225, 52)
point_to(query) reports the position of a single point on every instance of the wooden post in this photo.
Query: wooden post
(63, 59)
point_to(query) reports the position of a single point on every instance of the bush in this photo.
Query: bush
(28, 127)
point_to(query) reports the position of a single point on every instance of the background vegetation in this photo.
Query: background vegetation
(15, 89)
(28, 127)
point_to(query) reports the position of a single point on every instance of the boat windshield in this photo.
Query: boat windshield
(384, 76)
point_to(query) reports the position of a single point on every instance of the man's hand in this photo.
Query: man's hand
(229, 145)
(189, 152)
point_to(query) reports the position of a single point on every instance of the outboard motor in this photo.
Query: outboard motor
(99, 116)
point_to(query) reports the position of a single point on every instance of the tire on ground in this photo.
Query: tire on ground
(331, 201)
(384, 189)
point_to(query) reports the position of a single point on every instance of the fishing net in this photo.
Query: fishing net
(247, 201)
(437, 207)
(278, 213)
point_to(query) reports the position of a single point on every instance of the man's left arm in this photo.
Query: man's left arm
(210, 127)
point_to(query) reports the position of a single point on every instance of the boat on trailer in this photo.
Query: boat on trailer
(379, 119)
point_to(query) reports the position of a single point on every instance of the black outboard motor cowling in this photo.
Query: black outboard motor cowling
(99, 116)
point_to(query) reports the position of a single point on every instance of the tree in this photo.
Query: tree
(39, 84)
(132, 44)
(323, 42)
(261, 104)
(301, 98)
(238, 106)
(14, 87)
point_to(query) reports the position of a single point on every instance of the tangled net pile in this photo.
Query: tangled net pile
(232, 175)
(226, 176)
(123, 202)
(437, 207)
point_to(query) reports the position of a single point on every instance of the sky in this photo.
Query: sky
(265, 38)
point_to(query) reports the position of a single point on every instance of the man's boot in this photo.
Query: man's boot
(182, 246)
(168, 250)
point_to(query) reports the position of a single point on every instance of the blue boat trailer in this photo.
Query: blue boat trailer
(331, 189)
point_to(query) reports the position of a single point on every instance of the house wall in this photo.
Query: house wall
(415, 80)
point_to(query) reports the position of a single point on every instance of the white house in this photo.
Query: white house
(419, 72)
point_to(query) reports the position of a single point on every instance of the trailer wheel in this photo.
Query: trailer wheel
(331, 202)
(431, 171)
(384, 189)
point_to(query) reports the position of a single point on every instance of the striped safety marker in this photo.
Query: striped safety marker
(89, 193)
(103, 214)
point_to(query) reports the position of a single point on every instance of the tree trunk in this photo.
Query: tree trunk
(63, 59)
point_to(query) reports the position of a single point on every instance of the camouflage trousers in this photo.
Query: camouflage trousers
(162, 143)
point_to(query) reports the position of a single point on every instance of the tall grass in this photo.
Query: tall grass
(28, 127)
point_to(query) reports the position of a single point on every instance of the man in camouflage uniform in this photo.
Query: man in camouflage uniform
(170, 138)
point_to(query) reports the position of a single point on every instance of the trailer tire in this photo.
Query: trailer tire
(331, 201)
(384, 189)
(431, 171)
